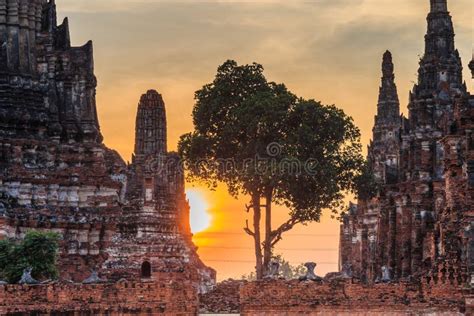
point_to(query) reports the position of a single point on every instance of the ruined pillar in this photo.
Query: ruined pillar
(417, 242)
(384, 154)
(150, 133)
(392, 235)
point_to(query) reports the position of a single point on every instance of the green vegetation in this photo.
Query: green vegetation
(38, 250)
(264, 142)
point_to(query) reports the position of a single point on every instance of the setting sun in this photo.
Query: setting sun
(199, 217)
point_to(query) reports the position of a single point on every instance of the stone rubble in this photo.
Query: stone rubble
(223, 299)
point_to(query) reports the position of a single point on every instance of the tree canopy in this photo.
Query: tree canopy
(263, 141)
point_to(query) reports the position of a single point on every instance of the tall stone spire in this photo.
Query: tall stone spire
(440, 35)
(388, 107)
(384, 148)
(440, 71)
(439, 5)
(150, 134)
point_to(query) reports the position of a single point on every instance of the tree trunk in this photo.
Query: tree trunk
(267, 244)
(256, 229)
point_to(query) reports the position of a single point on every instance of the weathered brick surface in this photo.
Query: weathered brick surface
(223, 299)
(176, 297)
(309, 298)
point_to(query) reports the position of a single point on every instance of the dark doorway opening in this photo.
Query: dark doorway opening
(146, 270)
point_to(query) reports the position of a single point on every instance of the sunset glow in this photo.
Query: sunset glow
(199, 217)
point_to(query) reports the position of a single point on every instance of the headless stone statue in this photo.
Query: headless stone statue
(386, 277)
(346, 271)
(94, 278)
(274, 271)
(310, 275)
(26, 278)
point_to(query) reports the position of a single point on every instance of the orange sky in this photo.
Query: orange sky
(329, 50)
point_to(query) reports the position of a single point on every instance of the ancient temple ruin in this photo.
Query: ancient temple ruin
(420, 223)
(154, 233)
(126, 222)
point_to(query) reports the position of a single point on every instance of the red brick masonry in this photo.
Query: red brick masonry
(121, 298)
(273, 297)
(309, 298)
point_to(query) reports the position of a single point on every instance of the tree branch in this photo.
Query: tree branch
(276, 235)
(249, 207)
(247, 229)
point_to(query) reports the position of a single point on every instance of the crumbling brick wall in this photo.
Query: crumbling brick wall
(345, 298)
(223, 299)
(130, 298)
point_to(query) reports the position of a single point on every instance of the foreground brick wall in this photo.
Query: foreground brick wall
(122, 298)
(223, 299)
(271, 297)
(309, 298)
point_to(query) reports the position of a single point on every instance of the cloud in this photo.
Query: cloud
(126, 5)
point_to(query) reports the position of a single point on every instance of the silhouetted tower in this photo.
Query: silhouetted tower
(388, 107)
(432, 100)
(440, 69)
(471, 66)
(384, 148)
(150, 134)
(439, 6)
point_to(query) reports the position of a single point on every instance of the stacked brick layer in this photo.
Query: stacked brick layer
(223, 299)
(122, 298)
(309, 298)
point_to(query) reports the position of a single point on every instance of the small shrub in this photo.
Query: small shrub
(39, 250)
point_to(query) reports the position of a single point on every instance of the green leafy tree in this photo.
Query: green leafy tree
(263, 141)
(38, 250)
